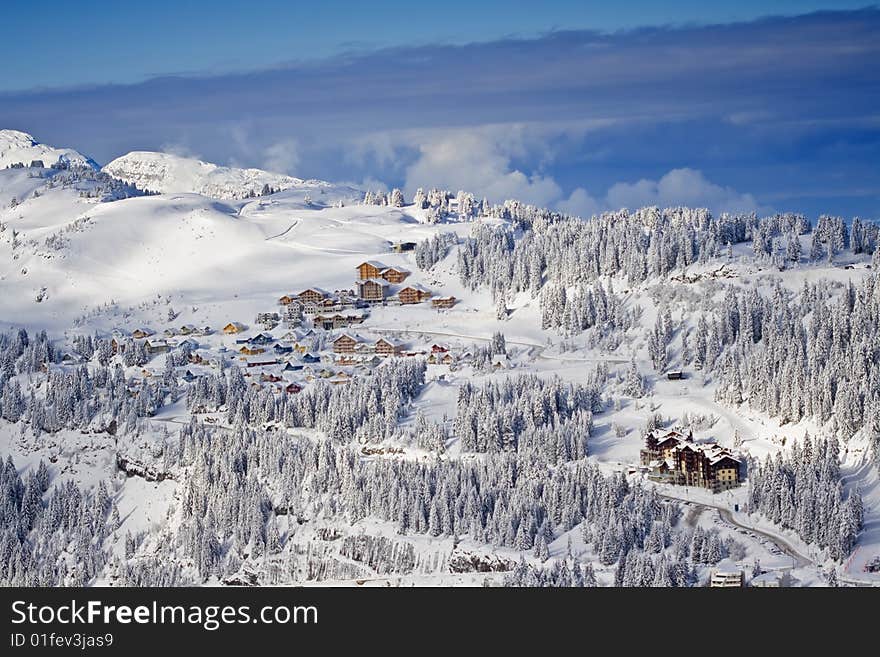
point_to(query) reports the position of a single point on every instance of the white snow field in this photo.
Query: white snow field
(74, 264)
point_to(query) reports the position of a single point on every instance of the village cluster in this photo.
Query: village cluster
(319, 339)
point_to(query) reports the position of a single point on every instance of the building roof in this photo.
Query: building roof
(377, 281)
(727, 567)
(720, 457)
(262, 359)
(374, 263)
(323, 293)
(414, 286)
(714, 452)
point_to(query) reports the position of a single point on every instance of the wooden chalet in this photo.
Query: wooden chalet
(262, 339)
(251, 351)
(345, 344)
(372, 289)
(385, 347)
(330, 321)
(394, 274)
(443, 302)
(370, 269)
(413, 294)
(286, 299)
(313, 295)
(141, 333)
(233, 327)
(438, 349)
(400, 247)
(157, 346)
(293, 388)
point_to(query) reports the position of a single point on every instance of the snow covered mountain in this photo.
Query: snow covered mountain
(648, 307)
(167, 173)
(20, 147)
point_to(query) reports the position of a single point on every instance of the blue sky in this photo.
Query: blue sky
(102, 41)
(579, 105)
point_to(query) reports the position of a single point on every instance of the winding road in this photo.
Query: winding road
(798, 559)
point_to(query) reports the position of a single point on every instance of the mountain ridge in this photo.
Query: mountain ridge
(168, 173)
(17, 147)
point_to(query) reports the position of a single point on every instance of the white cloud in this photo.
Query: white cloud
(180, 150)
(282, 157)
(680, 187)
(480, 161)
(579, 203)
(372, 184)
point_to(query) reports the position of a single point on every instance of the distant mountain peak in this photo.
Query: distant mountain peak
(167, 173)
(17, 147)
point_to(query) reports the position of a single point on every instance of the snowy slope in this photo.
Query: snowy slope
(72, 263)
(237, 257)
(16, 146)
(167, 173)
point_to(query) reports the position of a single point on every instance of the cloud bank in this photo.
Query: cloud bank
(729, 116)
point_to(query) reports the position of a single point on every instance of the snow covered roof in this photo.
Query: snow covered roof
(377, 281)
(727, 567)
(374, 263)
(261, 359)
(323, 293)
(712, 451)
(721, 456)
